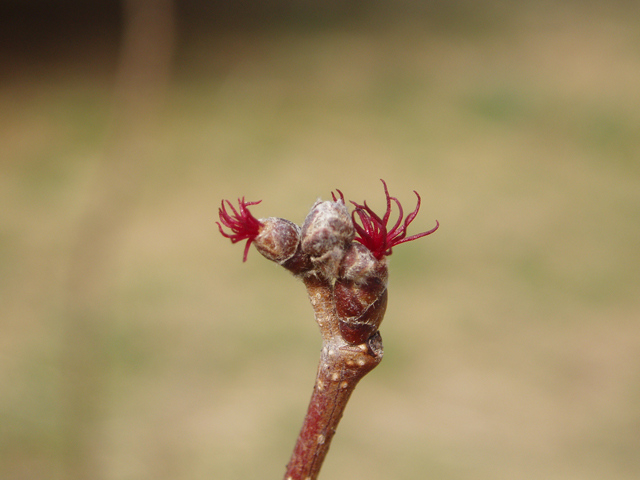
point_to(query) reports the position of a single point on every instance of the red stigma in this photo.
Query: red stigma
(373, 233)
(341, 196)
(243, 225)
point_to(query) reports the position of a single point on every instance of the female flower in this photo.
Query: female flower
(242, 223)
(374, 234)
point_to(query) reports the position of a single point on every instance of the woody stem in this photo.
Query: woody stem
(340, 369)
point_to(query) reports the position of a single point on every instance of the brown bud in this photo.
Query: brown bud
(278, 239)
(299, 264)
(326, 234)
(360, 307)
(359, 265)
(357, 330)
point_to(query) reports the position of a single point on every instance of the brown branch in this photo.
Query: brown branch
(341, 367)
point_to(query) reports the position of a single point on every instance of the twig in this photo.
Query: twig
(340, 369)
(346, 279)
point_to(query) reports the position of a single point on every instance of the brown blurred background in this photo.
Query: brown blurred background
(135, 344)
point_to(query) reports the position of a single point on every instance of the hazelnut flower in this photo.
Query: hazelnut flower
(373, 232)
(242, 223)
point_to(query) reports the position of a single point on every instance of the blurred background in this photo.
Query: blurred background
(135, 344)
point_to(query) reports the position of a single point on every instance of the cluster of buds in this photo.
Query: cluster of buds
(333, 248)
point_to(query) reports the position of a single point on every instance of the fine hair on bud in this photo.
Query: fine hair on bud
(326, 234)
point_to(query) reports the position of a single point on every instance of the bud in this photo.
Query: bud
(278, 239)
(359, 265)
(326, 234)
(358, 319)
(360, 293)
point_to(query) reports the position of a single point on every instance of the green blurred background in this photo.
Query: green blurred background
(135, 344)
